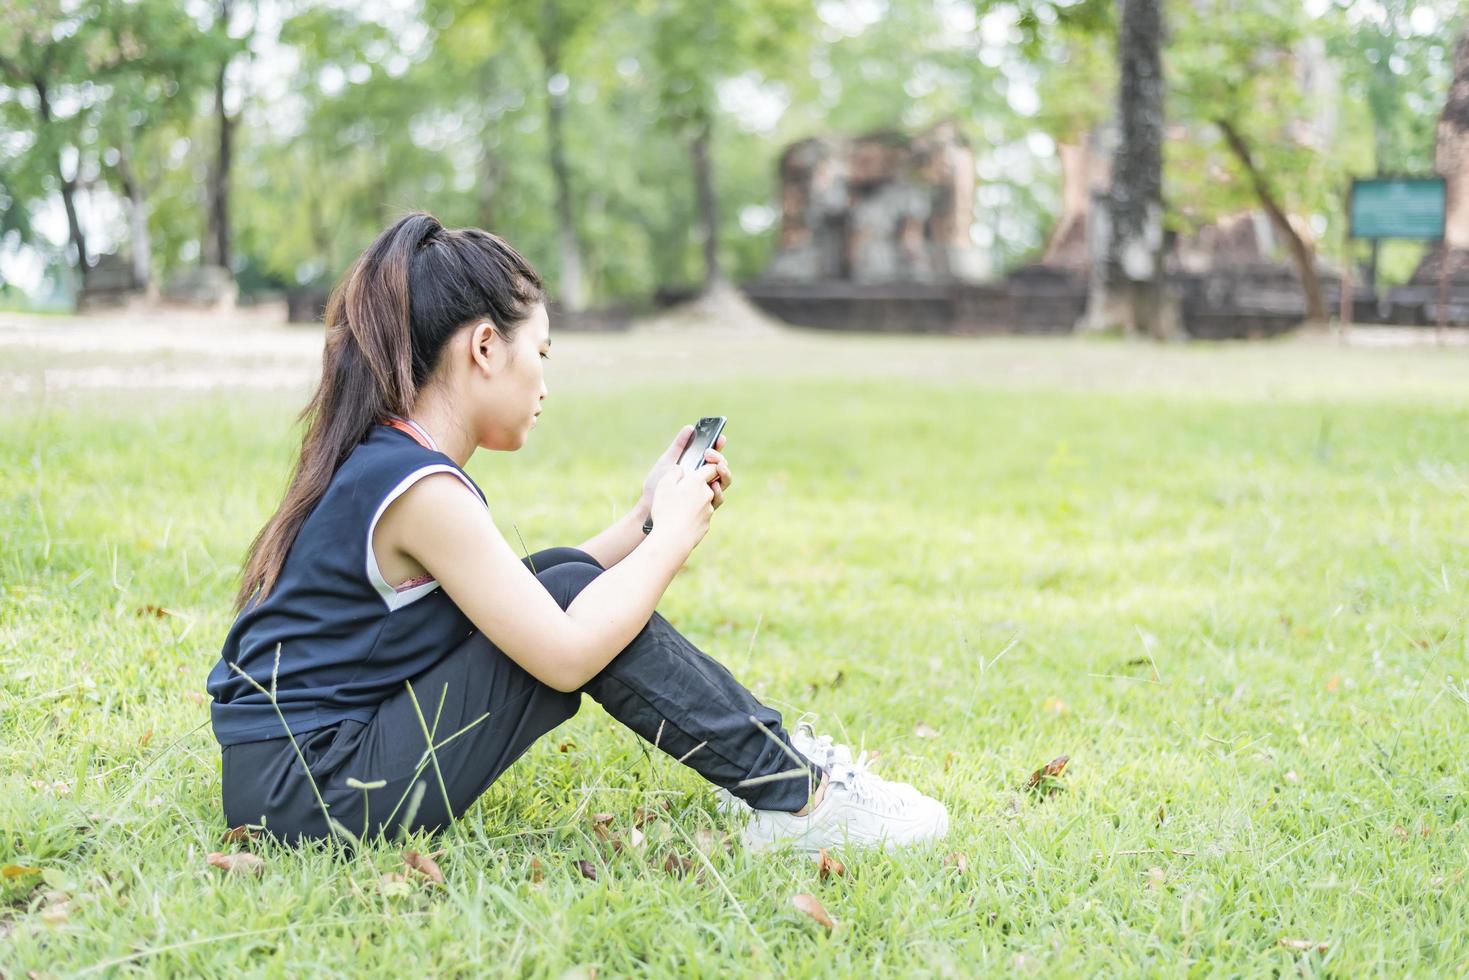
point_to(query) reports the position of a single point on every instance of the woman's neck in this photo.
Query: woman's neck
(453, 438)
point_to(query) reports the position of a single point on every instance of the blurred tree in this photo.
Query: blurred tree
(695, 46)
(87, 82)
(1128, 290)
(1254, 75)
(234, 22)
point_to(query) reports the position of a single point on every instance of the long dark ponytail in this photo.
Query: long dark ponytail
(386, 325)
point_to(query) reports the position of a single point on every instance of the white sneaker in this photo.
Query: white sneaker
(859, 809)
(821, 750)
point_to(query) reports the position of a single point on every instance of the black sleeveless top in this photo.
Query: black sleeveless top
(346, 638)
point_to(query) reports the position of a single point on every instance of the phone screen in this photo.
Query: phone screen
(706, 432)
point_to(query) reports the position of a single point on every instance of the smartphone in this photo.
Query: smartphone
(706, 434)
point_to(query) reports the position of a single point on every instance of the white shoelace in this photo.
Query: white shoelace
(867, 787)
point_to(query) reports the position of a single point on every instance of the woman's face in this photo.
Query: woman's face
(511, 385)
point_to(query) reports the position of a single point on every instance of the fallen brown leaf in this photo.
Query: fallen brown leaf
(237, 835)
(1044, 777)
(240, 863)
(828, 866)
(566, 746)
(588, 870)
(425, 865)
(198, 697)
(601, 818)
(1156, 877)
(643, 814)
(676, 864)
(1333, 684)
(157, 612)
(145, 739)
(808, 905)
(957, 861)
(537, 871)
(1307, 945)
(707, 841)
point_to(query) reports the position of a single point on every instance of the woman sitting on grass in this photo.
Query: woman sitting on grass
(392, 655)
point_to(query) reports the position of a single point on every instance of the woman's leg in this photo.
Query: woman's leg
(483, 711)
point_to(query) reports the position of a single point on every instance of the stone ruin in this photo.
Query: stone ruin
(874, 235)
(882, 208)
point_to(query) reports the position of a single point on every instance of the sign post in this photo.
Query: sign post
(1399, 207)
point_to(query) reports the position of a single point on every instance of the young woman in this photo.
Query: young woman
(392, 656)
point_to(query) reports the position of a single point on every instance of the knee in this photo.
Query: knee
(548, 558)
(565, 581)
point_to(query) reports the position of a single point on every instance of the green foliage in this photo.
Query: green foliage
(444, 107)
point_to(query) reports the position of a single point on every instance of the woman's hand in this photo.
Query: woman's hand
(683, 502)
(670, 457)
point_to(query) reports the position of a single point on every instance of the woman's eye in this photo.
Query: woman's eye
(545, 357)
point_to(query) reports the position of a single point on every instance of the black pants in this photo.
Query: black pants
(483, 711)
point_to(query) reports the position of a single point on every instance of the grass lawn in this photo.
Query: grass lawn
(1238, 609)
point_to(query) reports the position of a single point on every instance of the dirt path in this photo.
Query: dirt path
(172, 352)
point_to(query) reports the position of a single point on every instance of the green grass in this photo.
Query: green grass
(1242, 619)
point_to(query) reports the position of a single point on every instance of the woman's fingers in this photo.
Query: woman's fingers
(722, 466)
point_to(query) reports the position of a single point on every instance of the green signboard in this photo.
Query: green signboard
(1397, 207)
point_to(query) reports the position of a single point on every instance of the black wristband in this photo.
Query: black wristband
(648, 525)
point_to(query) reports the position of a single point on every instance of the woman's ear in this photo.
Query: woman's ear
(484, 347)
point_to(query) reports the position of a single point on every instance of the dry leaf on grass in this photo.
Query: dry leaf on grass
(678, 865)
(588, 870)
(18, 871)
(1156, 877)
(644, 814)
(1333, 684)
(828, 866)
(239, 863)
(238, 835)
(925, 731)
(198, 697)
(808, 905)
(707, 841)
(957, 861)
(566, 746)
(1307, 945)
(157, 612)
(1056, 705)
(1045, 778)
(425, 865)
(537, 871)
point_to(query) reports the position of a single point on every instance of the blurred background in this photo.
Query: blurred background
(955, 166)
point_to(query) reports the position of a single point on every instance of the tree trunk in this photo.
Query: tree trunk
(491, 173)
(708, 207)
(1301, 253)
(216, 245)
(572, 296)
(215, 249)
(1130, 293)
(68, 189)
(140, 240)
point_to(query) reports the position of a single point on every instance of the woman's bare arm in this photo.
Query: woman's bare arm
(445, 528)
